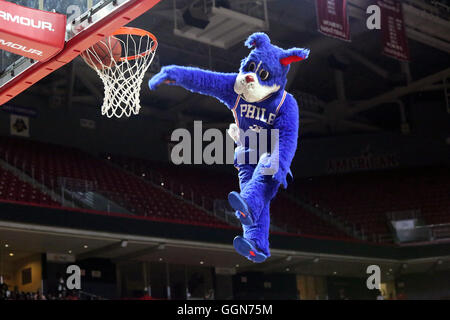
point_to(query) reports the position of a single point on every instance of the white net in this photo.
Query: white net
(122, 75)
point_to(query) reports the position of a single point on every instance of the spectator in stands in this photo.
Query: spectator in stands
(41, 296)
(3, 291)
(380, 295)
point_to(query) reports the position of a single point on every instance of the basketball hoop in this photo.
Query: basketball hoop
(122, 76)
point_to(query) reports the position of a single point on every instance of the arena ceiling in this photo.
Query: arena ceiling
(329, 106)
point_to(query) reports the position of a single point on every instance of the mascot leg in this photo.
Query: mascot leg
(256, 194)
(254, 245)
(245, 174)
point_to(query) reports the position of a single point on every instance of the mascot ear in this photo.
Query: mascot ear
(293, 55)
(257, 40)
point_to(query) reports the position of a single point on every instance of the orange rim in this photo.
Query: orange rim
(137, 32)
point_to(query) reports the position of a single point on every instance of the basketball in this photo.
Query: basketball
(102, 54)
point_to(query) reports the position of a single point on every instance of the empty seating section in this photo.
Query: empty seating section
(362, 199)
(14, 189)
(365, 198)
(199, 184)
(48, 163)
(289, 215)
(205, 185)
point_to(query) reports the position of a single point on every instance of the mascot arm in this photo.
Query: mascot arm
(287, 122)
(215, 84)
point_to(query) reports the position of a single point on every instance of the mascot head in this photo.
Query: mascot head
(264, 71)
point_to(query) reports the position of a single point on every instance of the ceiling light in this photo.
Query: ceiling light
(6, 245)
(70, 251)
(85, 246)
(316, 260)
(335, 272)
(237, 266)
(160, 259)
(11, 254)
(287, 269)
(201, 262)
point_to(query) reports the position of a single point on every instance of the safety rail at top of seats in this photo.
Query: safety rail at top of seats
(174, 221)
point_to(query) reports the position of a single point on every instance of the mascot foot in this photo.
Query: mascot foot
(242, 211)
(248, 249)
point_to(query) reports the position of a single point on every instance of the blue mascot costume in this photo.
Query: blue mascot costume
(257, 99)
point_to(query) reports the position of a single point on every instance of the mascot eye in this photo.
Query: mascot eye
(264, 75)
(251, 67)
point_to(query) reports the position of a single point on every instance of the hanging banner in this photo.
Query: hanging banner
(395, 42)
(332, 19)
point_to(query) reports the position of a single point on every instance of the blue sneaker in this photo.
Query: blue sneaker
(242, 212)
(248, 249)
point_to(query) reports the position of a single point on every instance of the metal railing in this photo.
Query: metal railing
(437, 231)
(404, 214)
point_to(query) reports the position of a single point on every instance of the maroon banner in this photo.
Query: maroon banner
(332, 19)
(395, 43)
(32, 33)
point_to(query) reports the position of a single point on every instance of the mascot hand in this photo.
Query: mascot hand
(233, 132)
(167, 75)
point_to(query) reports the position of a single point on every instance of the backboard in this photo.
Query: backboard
(88, 21)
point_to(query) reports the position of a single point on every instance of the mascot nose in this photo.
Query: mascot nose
(249, 79)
